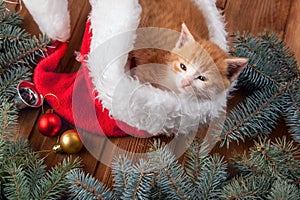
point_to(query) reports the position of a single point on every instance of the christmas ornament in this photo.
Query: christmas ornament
(69, 142)
(49, 123)
(27, 96)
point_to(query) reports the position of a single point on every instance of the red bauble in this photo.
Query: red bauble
(49, 124)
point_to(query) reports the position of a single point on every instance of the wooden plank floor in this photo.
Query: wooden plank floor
(280, 16)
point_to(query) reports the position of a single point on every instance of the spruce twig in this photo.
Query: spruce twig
(247, 188)
(53, 184)
(171, 178)
(25, 53)
(35, 170)
(259, 176)
(120, 169)
(139, 181)
(279, 159)
(193, 161)
(84, 186)
(269, 164)
(9, 81)
(292, 114)
(8, 119)
(252, 117)
(284, 190)
(272, 77)
(23, 174)
(15, 186)
(213, 176)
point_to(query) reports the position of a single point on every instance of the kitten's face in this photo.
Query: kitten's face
(201, 69)
(199, 76)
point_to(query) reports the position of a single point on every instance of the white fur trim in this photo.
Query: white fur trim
(52, 17)
(113, 17)
(214, 21)
(113, 24)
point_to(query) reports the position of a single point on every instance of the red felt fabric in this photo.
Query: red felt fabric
(75, 92)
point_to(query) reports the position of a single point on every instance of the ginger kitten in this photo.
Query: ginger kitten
(194, 65)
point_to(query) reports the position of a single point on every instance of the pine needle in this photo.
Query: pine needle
(84, 186)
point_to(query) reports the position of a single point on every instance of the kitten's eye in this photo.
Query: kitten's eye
(202, 78)
(182, 66)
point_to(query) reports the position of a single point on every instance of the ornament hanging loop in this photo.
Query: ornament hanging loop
(49, 123)
(55, 97)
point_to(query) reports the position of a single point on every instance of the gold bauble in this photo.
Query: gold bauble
(70, 142)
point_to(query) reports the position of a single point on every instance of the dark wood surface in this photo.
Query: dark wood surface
(254, 16)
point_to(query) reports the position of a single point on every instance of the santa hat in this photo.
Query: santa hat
(100, 97)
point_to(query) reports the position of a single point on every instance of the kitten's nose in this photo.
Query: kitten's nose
(187, 82)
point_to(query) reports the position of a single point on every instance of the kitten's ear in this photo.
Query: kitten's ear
(235, 66)
(185, 37)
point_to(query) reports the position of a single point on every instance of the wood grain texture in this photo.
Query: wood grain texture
(292, 36)
(79, 11)
(27, 121)
(255, 16)
(281, 16)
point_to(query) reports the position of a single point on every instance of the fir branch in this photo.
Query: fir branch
(2, 151)
(193, 161)
(15, 186)
(248, 167)
(284, 190)
(247, 188)
(252, 76)
(24, 173)
(259, 178)
(11, 35)
(139, 181)
(10, 79)
(272, 66)
(257, 163)
(8, 118)
(35, 170)
(120, 169)
(284, 65)
(16, 152)
(279, 160)
(52, 185)
(25, 53)
(171, 178)
(292, 114)
(260, 159)
(211, 178)
(285, 157)
(14, 162)
(254, 79)
(252, 116)
(269, 55)
(86, 187)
